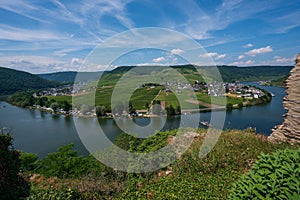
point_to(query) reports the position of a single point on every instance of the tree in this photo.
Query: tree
(12, 184)
(54, 106)
(147, 106)
(101, 111)
(66, 106)
(170, 111)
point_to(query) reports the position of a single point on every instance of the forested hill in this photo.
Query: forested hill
(229, 73)
(14, 80)
(69, 77)
(255, 73)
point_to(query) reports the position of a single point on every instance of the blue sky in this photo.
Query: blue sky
(56, 35)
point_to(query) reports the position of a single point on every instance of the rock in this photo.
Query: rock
(289, 131)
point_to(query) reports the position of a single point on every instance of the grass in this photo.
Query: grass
(190, 177)
(142, 96)
(61, 98)
(207, 178)
(171, 99)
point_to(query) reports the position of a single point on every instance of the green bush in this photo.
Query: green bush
(28, 161)
(65, 163)
(12, 185)
(274, 176)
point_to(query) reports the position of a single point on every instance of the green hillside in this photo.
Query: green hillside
(14, 80)
(228, 73)
(280, 81)
(255, 73)
(69, 77)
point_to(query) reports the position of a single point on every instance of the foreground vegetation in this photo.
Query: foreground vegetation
(66, 175)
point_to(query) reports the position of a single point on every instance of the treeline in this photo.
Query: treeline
(27, 99)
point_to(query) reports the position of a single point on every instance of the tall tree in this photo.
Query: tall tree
(12, 184)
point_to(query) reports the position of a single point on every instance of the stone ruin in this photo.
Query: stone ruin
(289, 130)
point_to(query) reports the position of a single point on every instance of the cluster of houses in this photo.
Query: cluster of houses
(243, 91)
(217, 89)
(178, 86)
(69, 89)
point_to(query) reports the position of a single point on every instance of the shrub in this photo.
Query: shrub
(12, 185)
(27, 161)
(66, 163)
(274, 176)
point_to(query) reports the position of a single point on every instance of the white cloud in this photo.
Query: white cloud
(44, 64)
(160, 59)
(207, 55)
(248, 45)
(241, 57)
(220, 56)
(149, 64)
(177, 51)
(254, 52)
(213, 55)
(249, 62)
(242, 63)
(27, 35)
(279, 59)
(76, 61)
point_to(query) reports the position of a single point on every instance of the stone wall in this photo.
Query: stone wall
(290, 129)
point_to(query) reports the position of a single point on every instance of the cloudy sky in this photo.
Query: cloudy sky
(56, 35)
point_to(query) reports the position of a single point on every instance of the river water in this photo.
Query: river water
(40, 132)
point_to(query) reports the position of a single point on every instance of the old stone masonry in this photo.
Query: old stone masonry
(290, 129)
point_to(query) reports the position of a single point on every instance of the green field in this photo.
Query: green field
(145, 95)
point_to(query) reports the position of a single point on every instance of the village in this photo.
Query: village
(233, 90)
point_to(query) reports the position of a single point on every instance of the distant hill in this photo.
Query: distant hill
(228, 73)
(255, 73)
(14, 80)
(69, 77)
(281, 82)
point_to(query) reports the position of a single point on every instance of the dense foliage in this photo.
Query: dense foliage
(12, 184)
(193, 178)
(274, 176)
(254, 73)
(66, 163)
(14, 80)
(189, 177)
(69, 77)
(25, 99)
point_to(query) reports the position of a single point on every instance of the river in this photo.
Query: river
(41, 133)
